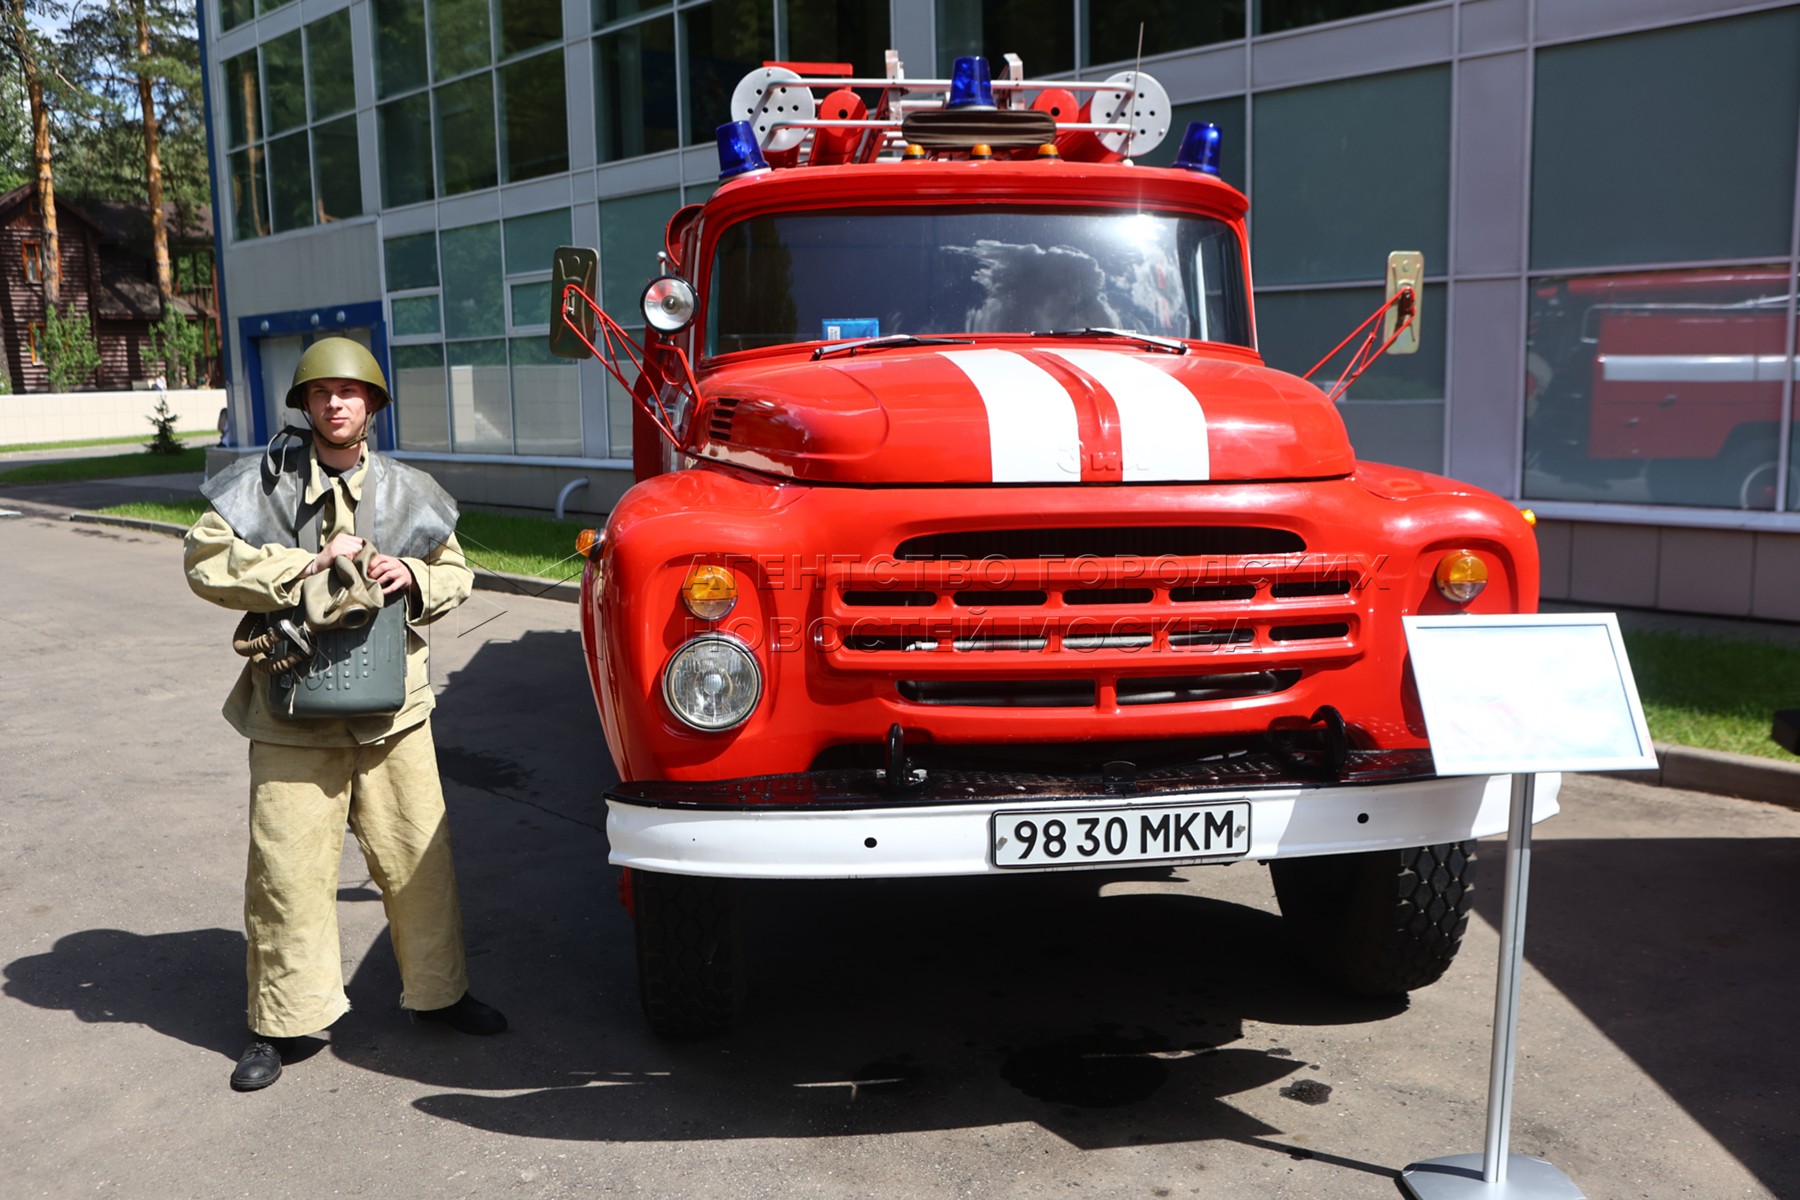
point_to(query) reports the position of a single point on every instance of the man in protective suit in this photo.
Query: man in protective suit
(323, 504)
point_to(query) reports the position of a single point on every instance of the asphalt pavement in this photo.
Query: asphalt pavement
(1139, 1036)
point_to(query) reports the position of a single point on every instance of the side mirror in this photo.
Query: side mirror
(1405, 273)
(572, 317)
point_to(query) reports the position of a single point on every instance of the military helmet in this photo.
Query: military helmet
(339, 358)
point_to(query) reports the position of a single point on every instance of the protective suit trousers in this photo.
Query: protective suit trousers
(300, 800)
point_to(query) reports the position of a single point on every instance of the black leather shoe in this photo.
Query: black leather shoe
(467, 1015)
(258, 1066)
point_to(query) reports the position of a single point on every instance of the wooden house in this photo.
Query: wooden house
(108, 277)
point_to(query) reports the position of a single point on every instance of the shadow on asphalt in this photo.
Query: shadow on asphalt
(1684, 952)
(917, 1005)
(187, 985)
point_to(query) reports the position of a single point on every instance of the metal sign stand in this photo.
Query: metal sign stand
(1516, 695)
(1495, 1174)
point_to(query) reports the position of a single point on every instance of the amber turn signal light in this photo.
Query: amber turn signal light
(710, 592)
(1460, 576)
(588, 542)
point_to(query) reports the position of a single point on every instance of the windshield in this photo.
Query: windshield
(826, 276)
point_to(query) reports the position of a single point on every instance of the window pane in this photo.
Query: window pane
(243, 100)
(530, 241)
(290, 182)
(1667, 147)
(608, 11)
(1228, 115)
(619, 408)
(546, 400)
(1395, 412)
(635, 96)
(631, 232)
(411, 261)
(474, 304)
(269, 6)
(337, 169)
(249, 194)
(421, 401)
(284, 82)
(405, 151)
(1040, 32)
(1660, 388)
(1272, 16)
(531, 304)
(726, 40)
(465, 134)
(416, 315)
(233, 13)
(534, 117)
(1332, 197)
(330, 85)
(525, 24)
(1112, 29)
(852, 31)
(399, 46)
(459, 37)
(480, 398)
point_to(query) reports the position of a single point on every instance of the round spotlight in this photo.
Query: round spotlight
(669, 304)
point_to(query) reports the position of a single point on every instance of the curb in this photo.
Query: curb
(1683, 767)
(1721, 772)
(566, 590)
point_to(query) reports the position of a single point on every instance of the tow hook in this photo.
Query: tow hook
(897, 771)
(1321, 745)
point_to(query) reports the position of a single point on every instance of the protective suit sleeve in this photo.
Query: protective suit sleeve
(232, 573)
(444, 580)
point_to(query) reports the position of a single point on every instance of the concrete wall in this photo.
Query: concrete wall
(72, 416)
(1723, 572)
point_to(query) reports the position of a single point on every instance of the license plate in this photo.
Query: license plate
(1119, 835)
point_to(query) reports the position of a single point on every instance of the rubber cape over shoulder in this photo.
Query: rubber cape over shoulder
(259, 497)
(1028, 412)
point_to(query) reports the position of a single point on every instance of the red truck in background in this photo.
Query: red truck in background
(1673, 376)
(973, 536)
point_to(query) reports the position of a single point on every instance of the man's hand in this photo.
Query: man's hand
(344, 545)
(392, 574)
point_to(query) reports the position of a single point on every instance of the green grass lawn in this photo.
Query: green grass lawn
(110, 466)
(82, 443)
(510, 544)
(1714, 693)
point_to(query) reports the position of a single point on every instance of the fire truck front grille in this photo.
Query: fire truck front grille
(1113, 618)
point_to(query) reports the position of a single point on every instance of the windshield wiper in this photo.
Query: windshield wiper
(892, 339)
(1155, 343)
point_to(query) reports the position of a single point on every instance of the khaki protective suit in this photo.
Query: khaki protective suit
(308, 778)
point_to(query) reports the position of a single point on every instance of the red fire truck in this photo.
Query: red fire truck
(972, 535)
(1674, 375)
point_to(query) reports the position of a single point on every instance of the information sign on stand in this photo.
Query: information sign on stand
(1519, 695)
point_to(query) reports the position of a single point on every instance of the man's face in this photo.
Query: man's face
(338, 408)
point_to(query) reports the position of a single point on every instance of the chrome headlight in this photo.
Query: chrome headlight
(712, 683)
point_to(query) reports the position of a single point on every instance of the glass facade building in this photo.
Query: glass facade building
(1605, 195)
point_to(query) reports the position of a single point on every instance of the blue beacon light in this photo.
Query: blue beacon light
(1200, 148)
(738, 151)
(970, 84)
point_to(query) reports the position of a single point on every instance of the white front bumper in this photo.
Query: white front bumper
(754, 842)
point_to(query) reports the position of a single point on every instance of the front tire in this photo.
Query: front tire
(1382, 923)
(690, 953)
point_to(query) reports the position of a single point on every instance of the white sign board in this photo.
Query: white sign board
(1510, 694)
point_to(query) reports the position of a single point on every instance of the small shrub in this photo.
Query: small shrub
(165, 441)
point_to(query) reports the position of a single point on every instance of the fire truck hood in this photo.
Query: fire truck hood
(1029, 413)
